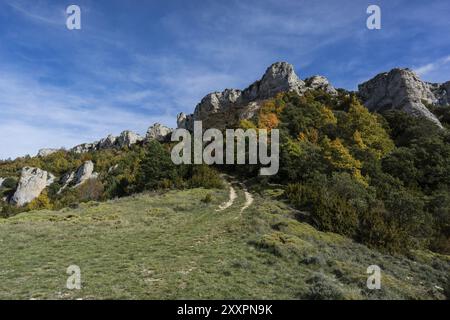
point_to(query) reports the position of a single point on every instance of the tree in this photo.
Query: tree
(156, 168)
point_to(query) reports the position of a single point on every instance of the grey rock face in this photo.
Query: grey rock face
(442, 93)
(320, 83)
(185, 121)
(46, 152)
(107, 143)
(1, 181)
(85, 147)
(399, 89)
(127, 139)
(279, 77)
(32, 182)
(84, 173)
(158, 132)
(217, 101)
(66, 179)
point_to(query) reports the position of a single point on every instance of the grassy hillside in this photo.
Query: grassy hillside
(174, 245)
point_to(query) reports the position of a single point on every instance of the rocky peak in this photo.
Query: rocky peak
(128, 138)
(279, 77)
(108, 142)
(320, 83)
(399, 89)
(158, 132)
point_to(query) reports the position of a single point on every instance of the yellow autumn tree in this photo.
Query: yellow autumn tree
(340, 158)
(364, 130)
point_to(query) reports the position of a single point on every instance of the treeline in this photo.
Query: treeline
(120, 173)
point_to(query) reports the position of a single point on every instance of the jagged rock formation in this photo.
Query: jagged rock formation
(320, 83)
(158, 132)
(46, 152)
(402, 89)
(106, 143)
(441, 92)
(32, 182)
(222, 109)
(85, 147)
(78, 177)
(66, 180)
(128, 138)
(84, 173)
(125, 139)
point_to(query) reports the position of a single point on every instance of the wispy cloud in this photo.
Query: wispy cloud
(134, 63)
(441, 65)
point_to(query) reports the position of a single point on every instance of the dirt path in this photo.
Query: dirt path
(230, 202)
(233, 195)
(248, 198)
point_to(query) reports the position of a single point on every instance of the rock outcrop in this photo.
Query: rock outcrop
(1, 181)
(107, 143)
(442, 93)
(84, 173)
(320, 83)
(46, 152)
(158, 132)
(31, 184)
(125, 139)
(66, 180)
(400, 89)
(85, 147)
(219, 109)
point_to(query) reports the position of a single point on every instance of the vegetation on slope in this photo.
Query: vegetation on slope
(173, 245)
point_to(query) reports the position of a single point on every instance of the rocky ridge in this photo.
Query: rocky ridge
(215, 108)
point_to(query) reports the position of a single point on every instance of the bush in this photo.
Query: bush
(203, 176)
(323, 288)
(208, 198)
(91, 190)
(327, 211)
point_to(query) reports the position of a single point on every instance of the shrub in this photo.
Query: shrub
(323, 288)
(203, 176)
(91, 190)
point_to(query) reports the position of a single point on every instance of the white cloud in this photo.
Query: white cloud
(435, 70)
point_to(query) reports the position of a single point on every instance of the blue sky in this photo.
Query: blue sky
(137, 62)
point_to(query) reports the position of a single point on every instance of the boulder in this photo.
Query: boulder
(399, 89)
(158, 132)
(32, 182)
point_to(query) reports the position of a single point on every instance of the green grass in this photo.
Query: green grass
(176, 246)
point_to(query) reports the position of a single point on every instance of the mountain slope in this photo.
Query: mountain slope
(174, 245)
